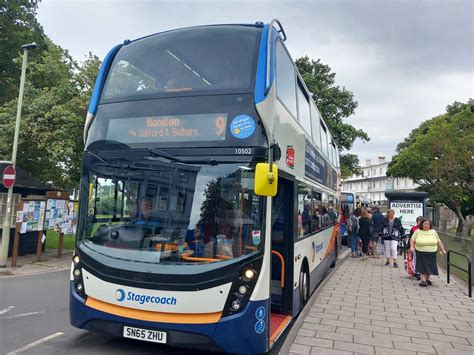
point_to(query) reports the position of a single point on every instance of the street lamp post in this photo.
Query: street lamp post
(6, 219)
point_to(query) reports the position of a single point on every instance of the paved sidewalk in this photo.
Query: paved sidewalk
(368, 308)
(27, 264)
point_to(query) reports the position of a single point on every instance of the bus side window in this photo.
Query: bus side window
(316, 222)
(304, 210)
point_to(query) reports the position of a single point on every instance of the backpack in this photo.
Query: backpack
(352, 224)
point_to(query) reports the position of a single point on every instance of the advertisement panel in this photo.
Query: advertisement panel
(407, 211)
(318, 169)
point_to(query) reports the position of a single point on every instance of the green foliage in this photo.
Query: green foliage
(350, 165)
(438, 155)
(52, 241)
(18, 26)
(54, 107)
(335, 104)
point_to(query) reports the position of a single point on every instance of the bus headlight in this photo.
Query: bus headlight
(243, 290)
(77, 273)
(235, 305)
(249, 274)
(242, 287)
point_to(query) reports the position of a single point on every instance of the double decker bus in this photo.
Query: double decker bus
(208, 192)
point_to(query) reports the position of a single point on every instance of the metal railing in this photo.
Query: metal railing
(468, 270)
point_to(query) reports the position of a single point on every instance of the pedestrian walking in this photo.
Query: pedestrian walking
(364, 232)
(353, 230)
(376, 223)
(425, 243)
(392, 230)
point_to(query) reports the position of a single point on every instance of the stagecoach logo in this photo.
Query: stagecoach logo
(121, 295)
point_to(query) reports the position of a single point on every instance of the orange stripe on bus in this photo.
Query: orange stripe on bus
(180, 318)
(332, 242)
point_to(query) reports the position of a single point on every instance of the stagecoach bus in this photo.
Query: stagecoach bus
(208, 189)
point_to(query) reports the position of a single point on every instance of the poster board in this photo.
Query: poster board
(31, 216)
(61, 213)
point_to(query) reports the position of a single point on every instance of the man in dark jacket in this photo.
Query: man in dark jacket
(376, 224)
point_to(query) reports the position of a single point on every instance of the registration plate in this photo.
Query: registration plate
(144, 334)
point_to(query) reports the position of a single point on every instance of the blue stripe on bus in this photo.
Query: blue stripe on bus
(233, 334)
(99, 82)
(238, 333)
(261, 76)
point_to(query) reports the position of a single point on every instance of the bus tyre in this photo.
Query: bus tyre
(335, 256)
(304, 288)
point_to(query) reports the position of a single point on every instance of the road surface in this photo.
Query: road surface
(34, 319)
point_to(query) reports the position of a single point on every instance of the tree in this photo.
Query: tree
(18, 26)
(438, 155)
(334, 104)
(54, 108)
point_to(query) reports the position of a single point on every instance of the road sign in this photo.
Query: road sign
(9, 176)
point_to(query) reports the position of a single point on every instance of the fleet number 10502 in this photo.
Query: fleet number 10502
(243, 151)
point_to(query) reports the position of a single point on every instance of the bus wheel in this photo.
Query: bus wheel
(304, 287)
(335, 256)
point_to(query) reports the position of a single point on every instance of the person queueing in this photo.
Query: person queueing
(353, 229)
(392, 230)
(364, 232)
(425, 243)
(412, 231)
(376, 222)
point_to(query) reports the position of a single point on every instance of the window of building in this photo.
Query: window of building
(285, 79)
(3, 207)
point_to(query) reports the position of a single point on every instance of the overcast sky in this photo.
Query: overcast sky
(403, 60)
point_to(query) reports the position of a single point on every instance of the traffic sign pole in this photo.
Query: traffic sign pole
(6, 219)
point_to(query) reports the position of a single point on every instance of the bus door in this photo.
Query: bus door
(282, 257)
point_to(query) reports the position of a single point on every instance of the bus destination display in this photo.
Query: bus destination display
(183, 128)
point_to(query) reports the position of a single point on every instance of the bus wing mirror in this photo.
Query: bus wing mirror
(266, 181)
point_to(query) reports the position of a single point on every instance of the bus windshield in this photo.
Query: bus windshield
(193, 59)
(161, 211)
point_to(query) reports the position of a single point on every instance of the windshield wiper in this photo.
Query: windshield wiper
(98, 157)
(160, 153)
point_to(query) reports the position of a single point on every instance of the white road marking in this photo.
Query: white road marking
(33, 344)
(34, 274)
(23, 315)
(5, 310)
